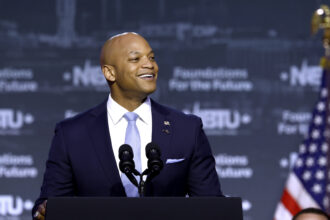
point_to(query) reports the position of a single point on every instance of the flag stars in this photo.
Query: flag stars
(311, 166)
(312, 148)
(324, 147)
(319, 175)
(299, 162)
(307, 175)
(315, 134)
(318, 120)
(320, 106)
(302, 149)
(310, 162)
(317, 188)
(322, 161)
(324, 92)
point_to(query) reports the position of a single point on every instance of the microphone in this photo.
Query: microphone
(155, 164)
(126, 163)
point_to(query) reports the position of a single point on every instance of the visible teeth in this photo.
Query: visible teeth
(146, 76)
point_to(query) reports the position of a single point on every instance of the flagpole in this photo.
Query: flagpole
(321, 20)
(308, 181)
(325, 60)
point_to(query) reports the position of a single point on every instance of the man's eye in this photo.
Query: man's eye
(134, 59)
(152, 58)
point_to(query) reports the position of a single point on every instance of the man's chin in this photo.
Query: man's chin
(149, 90)
(146, 93)
(152, 91)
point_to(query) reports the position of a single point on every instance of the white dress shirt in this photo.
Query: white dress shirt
(117, 127)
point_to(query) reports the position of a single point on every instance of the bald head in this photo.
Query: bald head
(114, 47)
(311, 214)
(129, 66)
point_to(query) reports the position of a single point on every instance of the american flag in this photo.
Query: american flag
(308, 182)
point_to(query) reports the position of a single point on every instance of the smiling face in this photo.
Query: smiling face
(128, 63)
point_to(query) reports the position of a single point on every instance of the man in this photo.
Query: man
(83, 159)
(311, 214)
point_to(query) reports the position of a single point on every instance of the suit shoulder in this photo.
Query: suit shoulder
(176, 114)
(82, 117)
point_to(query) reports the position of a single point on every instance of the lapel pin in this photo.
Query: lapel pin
(167, 123)
(166, 131)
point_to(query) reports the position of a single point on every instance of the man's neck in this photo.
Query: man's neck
(129, 103)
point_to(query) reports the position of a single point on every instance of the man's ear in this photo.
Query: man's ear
(109, 72)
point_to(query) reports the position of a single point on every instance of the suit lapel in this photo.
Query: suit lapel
(161, 128)
(99, 132)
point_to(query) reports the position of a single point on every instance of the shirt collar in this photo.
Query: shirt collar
(116, 111)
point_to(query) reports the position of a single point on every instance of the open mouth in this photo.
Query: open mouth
(147, 76)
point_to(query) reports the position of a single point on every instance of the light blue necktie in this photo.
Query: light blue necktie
(132, 138)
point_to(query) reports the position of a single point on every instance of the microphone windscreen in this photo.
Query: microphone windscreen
(125, 151)
(152, 150)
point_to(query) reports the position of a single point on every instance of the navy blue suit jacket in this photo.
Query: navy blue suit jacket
(81, 161)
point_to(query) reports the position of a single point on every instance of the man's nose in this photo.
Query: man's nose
(147, 63)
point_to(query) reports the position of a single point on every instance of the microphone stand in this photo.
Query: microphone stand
(141, 186)
(142, 183)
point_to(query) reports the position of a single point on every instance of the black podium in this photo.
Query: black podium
(148, 208)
